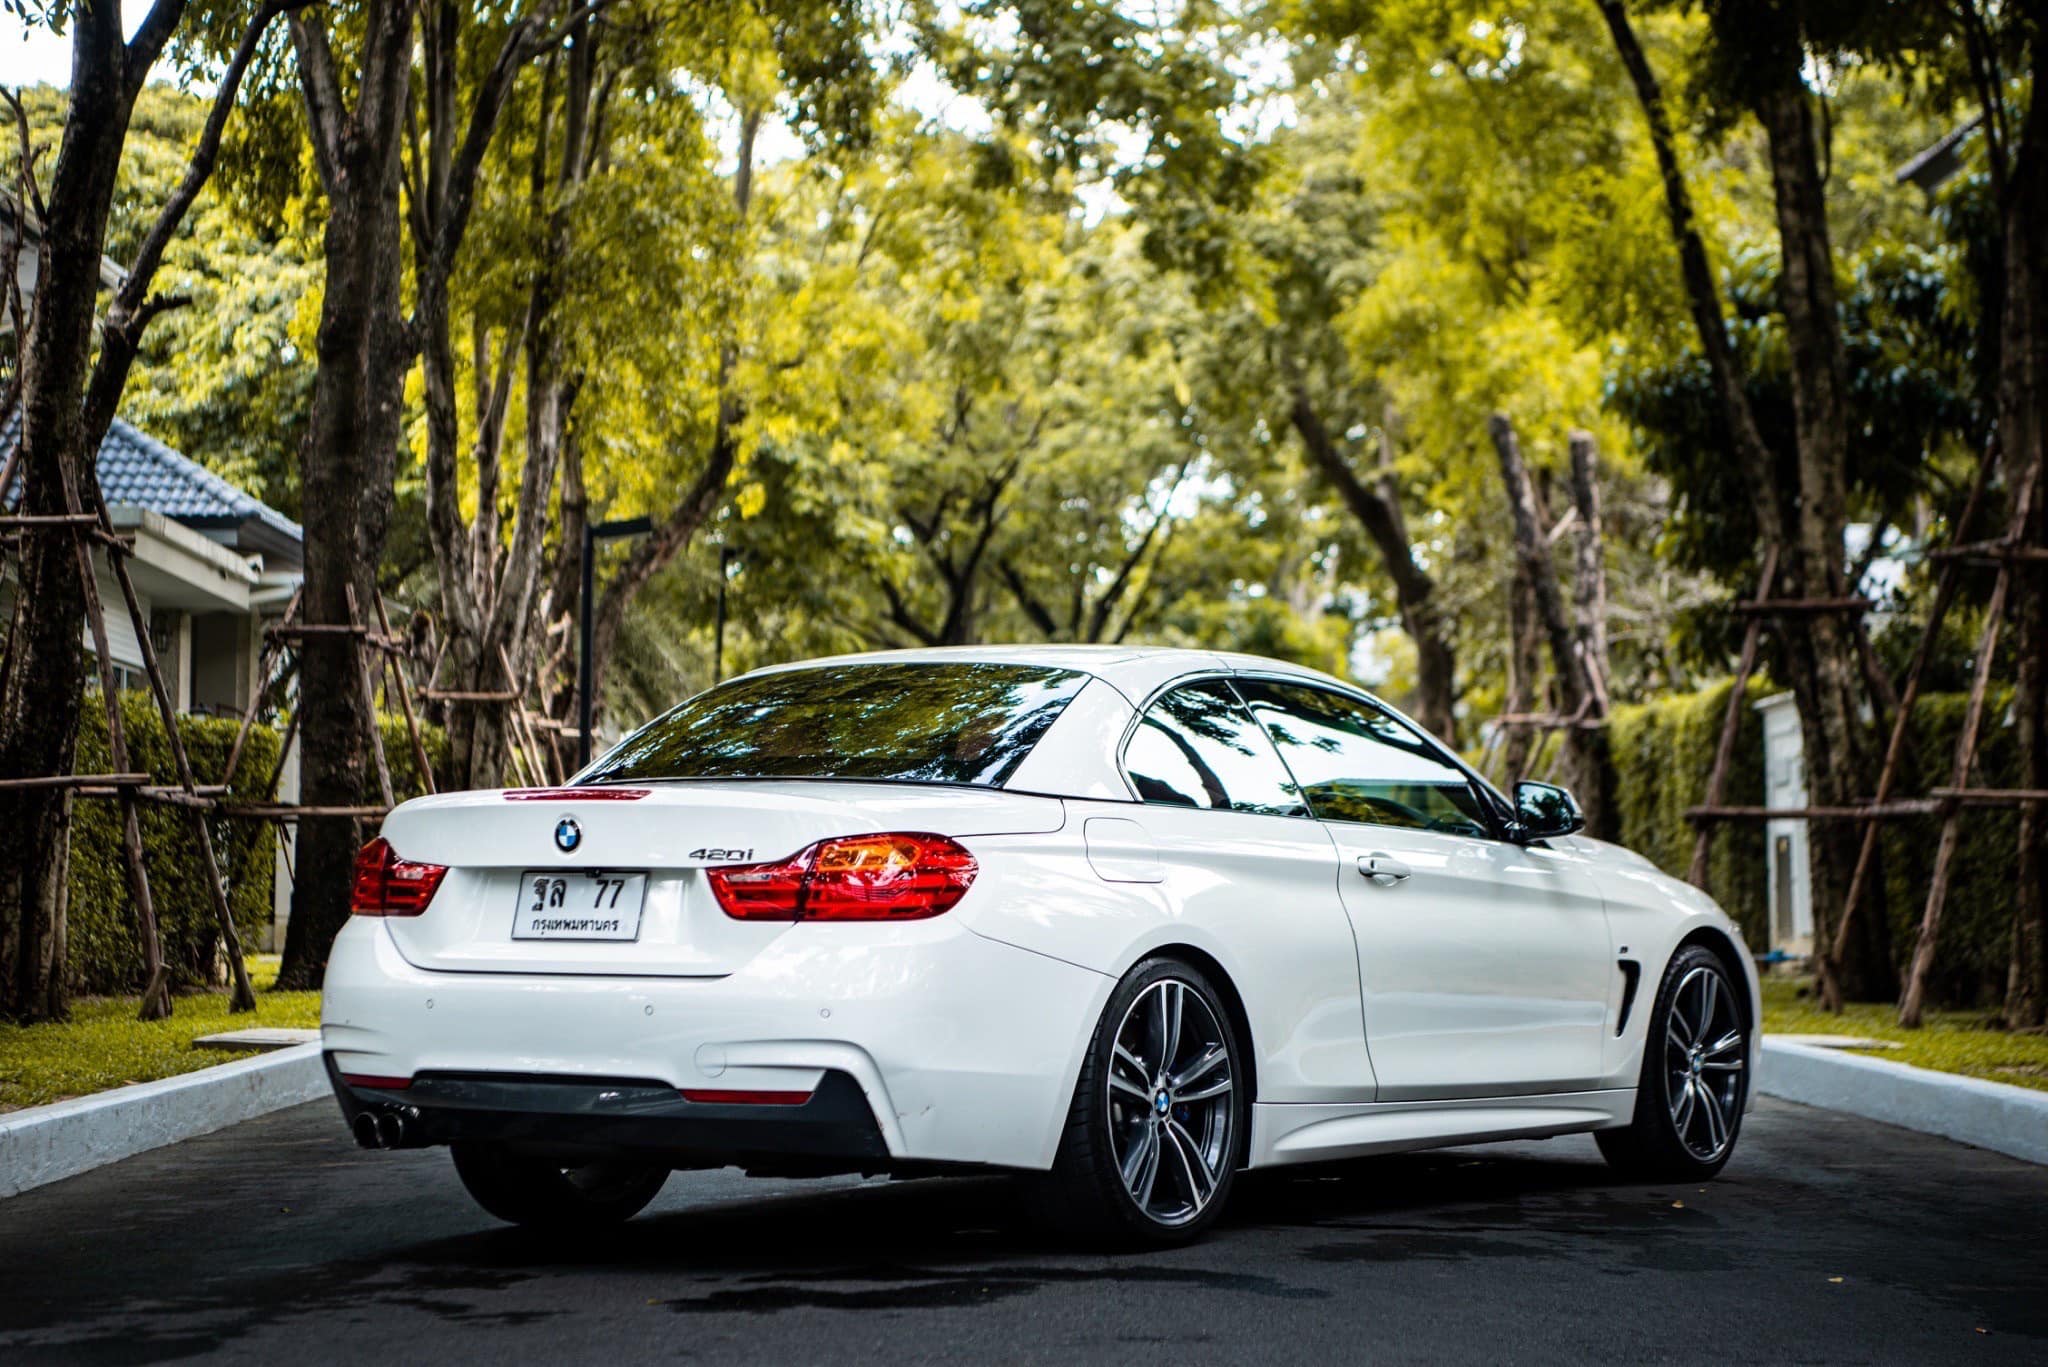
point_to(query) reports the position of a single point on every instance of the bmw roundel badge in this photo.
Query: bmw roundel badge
(568, 835)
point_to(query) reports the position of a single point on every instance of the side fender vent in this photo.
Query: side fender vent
(1631, 976)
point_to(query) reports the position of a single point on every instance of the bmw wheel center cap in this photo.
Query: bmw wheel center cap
(568, 835)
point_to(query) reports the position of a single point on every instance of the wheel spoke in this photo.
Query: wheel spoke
(1201, 1180)
(1206, 1064)
(1717, 1124)
(1141, 1165)
(1709, 991)
(1728, 1043)
(1171, 1004)
(1125, 1085)
(1220, 1087)
(1682, 1109)
(1678, 1029)
(1137, 1067)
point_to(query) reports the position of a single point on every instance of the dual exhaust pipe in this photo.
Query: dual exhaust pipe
(381, 1129)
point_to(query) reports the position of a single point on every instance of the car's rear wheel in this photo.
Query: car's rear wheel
(1157, 1126)
(1695, 1077)
(532, 1191)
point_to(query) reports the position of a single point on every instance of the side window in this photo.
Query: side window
(1198, 747)
(1356, 763)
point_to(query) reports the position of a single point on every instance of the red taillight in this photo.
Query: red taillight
(595, 792)
(710, 1097)
(386, 885)
(377, 1082)
(892, 877)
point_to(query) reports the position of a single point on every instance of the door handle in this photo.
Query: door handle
(1383, 869)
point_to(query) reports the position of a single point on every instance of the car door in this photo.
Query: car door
(1485, 965)
(1242, 866)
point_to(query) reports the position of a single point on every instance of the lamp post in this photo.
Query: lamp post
(726, 555)
(592, 534)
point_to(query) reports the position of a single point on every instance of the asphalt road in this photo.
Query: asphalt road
(1828, 1239)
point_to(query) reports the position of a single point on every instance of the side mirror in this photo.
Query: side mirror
(1544, 811)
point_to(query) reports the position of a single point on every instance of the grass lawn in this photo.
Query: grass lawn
(103, 1045)
(1966, 1042)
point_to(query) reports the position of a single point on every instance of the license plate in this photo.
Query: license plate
(578, 906)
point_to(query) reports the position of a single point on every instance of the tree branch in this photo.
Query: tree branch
(133, 308)
(150, 39)
(1036, 611)
(326, 112)
(1702, 294)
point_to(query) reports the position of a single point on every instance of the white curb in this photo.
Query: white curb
(48, 1143)
(1989, 1115)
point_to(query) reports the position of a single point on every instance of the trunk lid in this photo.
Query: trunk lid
(671, 832)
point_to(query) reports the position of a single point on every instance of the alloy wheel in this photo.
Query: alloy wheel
(1171, 1103)
(1704, 1055)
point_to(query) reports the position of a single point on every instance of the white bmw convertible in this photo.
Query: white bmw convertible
(1129, 921)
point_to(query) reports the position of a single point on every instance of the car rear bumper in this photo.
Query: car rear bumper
(833, 1129)
(958, 1049)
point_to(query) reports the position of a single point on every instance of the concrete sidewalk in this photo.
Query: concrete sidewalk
(1990, 1115)
(48, 1143)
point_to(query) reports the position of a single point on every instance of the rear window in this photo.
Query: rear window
(911, 723)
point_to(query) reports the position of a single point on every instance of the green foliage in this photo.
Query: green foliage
(1663, 752)
(226, 377)
(103, 947)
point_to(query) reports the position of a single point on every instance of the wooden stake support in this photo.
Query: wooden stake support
(1912, 1001)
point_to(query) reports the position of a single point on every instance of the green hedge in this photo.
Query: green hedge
(1663, 752)
(103, 951)
(1975, 944)
(405, 769)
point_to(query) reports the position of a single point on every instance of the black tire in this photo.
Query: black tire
(1673, 1137)
(544, 1195)
(1193, 1167)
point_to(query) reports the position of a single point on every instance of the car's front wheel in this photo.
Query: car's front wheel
(532, 1191)
(1157, 1126)
(1694, 1082)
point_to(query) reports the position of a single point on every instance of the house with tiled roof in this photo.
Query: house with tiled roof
(213, 565)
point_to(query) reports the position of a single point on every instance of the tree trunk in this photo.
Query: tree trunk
(348, 460)
(1822, 650)
(487, 590)
(1525, 669)
(1584, 751)
(1595, 759)
(2023, 435)
(1414, 590)
(40, 692)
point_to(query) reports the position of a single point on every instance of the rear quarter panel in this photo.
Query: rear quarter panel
(1265, 910)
